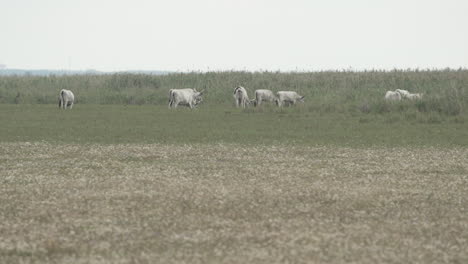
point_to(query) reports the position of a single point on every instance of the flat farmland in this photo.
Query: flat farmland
(143, 184)
(231, 203)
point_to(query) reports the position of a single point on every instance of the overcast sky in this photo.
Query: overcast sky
(182, 35)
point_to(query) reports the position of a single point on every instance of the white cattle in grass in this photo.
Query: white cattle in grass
(407, 95)
(264, 95)
(392, 96)
(241, 97)
(403, 93)
(414, 96)
(66, 98)
(188, 96)
(289, 97)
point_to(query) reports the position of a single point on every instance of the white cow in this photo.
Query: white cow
(403, 93)
(241, 97)
(408, 95)
(66, 98)
(392, 96)
(414, 96)
(289, 97)
(264, 95)
(187, 96)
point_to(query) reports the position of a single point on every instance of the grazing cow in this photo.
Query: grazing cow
(392, 96)
(241, 97)
(264, 95)
(188, 96)
(66, 98)
(403, 93)
(414, 96)
(289, 97)
(407, 95)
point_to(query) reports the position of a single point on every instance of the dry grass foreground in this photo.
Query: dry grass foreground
(231, 204)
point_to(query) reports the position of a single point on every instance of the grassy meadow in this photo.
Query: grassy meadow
(344, 177)
(111, 124)
(326, 92)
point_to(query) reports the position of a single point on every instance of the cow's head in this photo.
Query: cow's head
(197, 96)
(253, 101)
(301, 99)
(198, 100)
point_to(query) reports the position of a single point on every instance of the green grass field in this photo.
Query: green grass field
(344, 177)
(111, 124)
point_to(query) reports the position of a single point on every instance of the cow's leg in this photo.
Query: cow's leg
(65, 102)
(71, 106)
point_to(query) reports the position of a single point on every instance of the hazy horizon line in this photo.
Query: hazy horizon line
(348, 69)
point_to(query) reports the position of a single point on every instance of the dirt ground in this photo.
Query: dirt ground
(222, 203)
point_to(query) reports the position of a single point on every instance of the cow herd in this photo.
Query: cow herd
(192, 98)
(262, 95)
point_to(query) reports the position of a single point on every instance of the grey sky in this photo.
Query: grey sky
(233, 34)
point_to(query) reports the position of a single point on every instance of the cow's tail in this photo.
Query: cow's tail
(255, 99)
(60, 99)
(171, 98)
(170, 95)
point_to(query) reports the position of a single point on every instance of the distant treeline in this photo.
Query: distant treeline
(444, 91)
